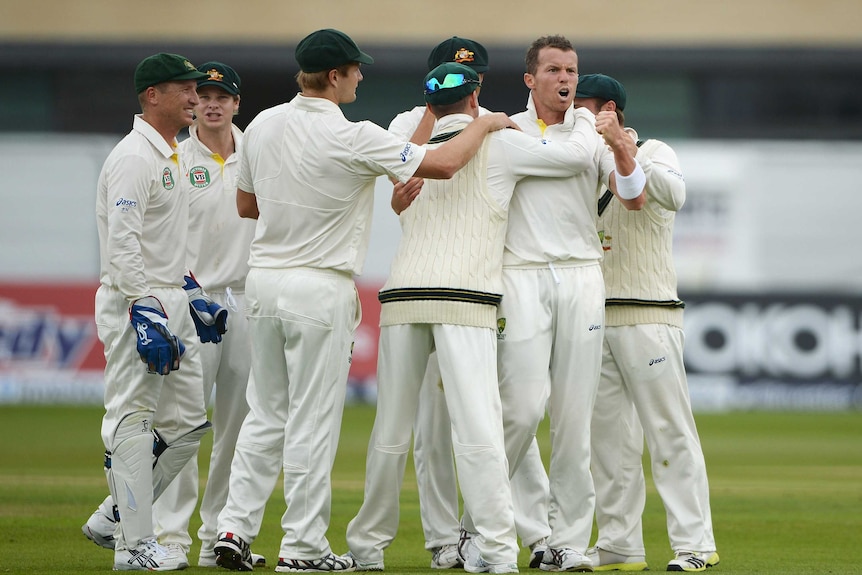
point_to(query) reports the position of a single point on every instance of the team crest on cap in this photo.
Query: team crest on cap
(189, 66)
(168, 179)
(215, 75)
(463, 55)
(199, 176)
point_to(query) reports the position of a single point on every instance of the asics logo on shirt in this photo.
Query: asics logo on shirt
(657, 360)
(125, 205)
(407, 153)
(594, 327)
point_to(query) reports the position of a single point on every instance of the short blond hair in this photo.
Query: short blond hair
(318, 81)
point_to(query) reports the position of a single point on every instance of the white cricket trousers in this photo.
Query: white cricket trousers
(467, 360)
(301, 322)
(549, 355)
(226, 366)
(643, 390)
(173, 403)
(438, 484)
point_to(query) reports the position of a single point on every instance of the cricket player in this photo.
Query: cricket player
(552, 314)
(154, 413)
(432, 437)
(442, 294)
(218, 252)
(307, 175)
(643, 385)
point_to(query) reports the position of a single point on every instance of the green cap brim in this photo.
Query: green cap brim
(190, 76)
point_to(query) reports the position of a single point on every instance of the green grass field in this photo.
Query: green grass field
(786, 494)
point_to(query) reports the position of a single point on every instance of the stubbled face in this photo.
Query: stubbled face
(216, 108)
(347, 84)
(554, 83)
(177, 101)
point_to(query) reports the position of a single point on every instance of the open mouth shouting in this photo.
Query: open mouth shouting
(566, 94)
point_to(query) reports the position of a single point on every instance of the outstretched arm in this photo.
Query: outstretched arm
(442, 163)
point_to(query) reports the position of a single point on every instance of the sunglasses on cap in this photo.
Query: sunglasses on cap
(449, 81)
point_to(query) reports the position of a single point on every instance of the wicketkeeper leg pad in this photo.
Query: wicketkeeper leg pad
(130, 478)
(170, 458)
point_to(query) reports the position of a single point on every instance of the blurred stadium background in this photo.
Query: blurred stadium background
(760, 99)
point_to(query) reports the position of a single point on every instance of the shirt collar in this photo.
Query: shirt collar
(314, 104)
(234, 130)
(149, 132)
(568, 120)
(451, 122)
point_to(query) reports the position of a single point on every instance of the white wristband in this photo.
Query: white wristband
(629, 187)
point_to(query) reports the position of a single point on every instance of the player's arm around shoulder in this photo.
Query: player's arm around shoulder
(526, 155)
(665, 181)
(445, 161)
(584, 138)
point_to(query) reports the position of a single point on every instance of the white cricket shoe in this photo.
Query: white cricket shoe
(478, 565)
(149, 556)
(232, 553)
(565, 559)
(604, 560)
(330, 563)
(209, 559)
(178, 550)
(446, 557)
(465, 539)
(100, 528)
(362, 565)
(693, 561)
(537, 552)
(475, 563)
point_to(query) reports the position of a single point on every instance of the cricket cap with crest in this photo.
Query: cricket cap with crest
(164, 67)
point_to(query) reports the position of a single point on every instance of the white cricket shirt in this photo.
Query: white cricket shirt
(142, 213)
(554, 219)
(218, 238)
(313, 172)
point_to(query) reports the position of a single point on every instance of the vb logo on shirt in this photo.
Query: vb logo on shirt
(168, 179)
(199, 176)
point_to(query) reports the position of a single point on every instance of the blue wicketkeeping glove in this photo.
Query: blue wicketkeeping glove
(210, 318)
(157, 346)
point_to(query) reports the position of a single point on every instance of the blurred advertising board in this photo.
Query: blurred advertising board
(50, 352)
(743, 351)
(773, 351)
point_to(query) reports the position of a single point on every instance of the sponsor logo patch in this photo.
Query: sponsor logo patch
(199, 177)
(168, 179)
(126, 205)
(407, 153)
